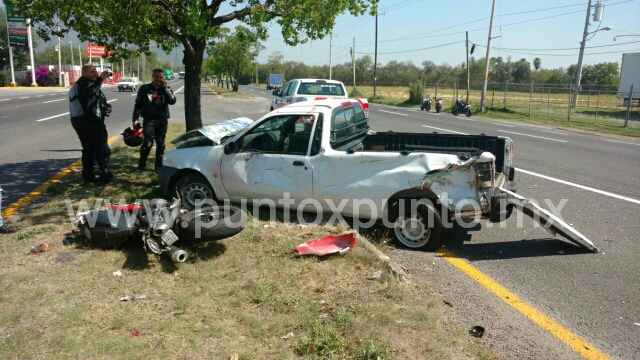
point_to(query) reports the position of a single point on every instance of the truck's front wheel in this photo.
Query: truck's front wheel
(420, 228)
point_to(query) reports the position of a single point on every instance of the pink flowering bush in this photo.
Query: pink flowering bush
(44, 77)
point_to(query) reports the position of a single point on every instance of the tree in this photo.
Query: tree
(537, 63)
(235, 52)
(193, 23)
(521, 71)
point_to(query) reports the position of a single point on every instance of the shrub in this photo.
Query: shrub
(5, 79)
(415, 93)
(44, 77)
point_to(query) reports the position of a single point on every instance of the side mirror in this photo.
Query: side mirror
(276, 92)
(229, 148)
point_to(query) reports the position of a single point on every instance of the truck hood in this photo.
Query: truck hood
(210, 135)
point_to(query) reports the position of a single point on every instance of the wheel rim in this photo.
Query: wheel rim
(194, 194)
(214, 216)
(412, 231)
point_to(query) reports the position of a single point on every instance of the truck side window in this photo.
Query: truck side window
(346, 125)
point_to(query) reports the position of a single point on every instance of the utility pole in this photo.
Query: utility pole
(33, 67)
(486, 60)
(73, 76)
(467, 42)
(353, 63)
(375, 59)
(59, 58)
(574, 102)
(330, 45)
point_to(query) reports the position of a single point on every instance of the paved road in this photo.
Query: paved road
(595, 296)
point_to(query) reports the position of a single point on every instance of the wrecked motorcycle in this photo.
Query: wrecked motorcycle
(159, 225)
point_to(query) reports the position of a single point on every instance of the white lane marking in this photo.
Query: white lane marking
(554, 132)
(24, 97)
(40, 96)
(4, 99)
(455, 132)
(619, 142)
(179, 90)
(391, 112)
(133, 94)
(53, 117)
(533, 136)
(50, 101)
(110, 101)
(625, 198)
(463, 118)
(503, 125)
(53, 94)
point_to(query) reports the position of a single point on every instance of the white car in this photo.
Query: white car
(128, 83)
(298, 90)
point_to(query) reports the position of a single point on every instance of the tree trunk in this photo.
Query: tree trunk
(193, 56)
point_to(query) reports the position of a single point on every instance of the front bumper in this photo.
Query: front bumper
(166, 176)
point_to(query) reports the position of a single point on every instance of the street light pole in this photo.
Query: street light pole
(73, 75)
(59, 58)
(576, 90)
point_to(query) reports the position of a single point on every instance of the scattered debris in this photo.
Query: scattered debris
(194, 259)
(328, 245)
(447, 303)
(133, 297)
(636, 324)
(560, 252)
(288, 335)
(377, 275)
(135, 334)
(117, 273)
(40, 248)
(477, 331)
(69, 240)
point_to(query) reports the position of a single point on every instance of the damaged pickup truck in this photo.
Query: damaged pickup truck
(321, 156)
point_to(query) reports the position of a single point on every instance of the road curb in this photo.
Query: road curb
(394, 267)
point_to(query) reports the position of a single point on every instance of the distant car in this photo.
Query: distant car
(298, 90)
(128, 83)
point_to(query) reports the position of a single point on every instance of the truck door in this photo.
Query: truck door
(286, 95)
(266, 164)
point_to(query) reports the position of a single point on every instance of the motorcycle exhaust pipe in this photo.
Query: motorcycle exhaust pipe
(178, 255)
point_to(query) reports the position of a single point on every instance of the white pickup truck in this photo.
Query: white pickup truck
(321, 156)
(128, 83)
(299, 90)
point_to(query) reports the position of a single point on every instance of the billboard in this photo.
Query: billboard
(94, 50)
(16, 26)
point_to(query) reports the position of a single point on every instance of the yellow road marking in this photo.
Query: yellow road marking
(215, 92)
(25, 200)
(580, 346)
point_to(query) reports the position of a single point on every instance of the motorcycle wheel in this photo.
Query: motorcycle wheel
(467, 112)
(455, 111)
(438, 110)
(214, 223)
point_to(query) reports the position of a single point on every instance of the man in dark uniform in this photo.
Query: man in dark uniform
(152, 103)
(87, 108)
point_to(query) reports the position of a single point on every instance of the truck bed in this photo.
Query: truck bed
(463, 145)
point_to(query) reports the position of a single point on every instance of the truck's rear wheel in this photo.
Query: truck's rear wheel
(419, 229)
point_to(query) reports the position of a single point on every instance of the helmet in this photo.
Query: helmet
(132, 137)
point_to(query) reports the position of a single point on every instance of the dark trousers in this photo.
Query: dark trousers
(154, 130)
(93, 137)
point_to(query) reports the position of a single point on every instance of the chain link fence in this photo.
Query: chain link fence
(595, 103)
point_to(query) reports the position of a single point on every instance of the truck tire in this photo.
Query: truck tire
(215, 223)
(416, 231)
(193, 188)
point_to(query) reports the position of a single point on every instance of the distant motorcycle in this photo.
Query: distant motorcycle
(438, 105)
(461, 107)
(426, 104)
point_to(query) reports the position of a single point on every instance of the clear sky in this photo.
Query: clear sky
(419, 30)
(411, 30)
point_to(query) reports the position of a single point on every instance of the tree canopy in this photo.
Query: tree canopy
(193, 23)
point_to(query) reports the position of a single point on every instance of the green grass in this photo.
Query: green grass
(241, 298)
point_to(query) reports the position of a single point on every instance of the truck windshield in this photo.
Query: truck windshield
(314, 88)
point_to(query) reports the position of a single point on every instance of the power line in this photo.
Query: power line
(558, 49)
(415, 50)
(596, 53)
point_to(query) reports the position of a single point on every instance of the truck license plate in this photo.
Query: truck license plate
(169, 237)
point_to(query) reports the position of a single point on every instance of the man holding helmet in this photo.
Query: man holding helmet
(152, 103)
(88, 107)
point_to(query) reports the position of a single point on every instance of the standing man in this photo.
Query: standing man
(152, 103)
(88, 107)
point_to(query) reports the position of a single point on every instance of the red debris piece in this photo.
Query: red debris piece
(328, 245)
(135, 334)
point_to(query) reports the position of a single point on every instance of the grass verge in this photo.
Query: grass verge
(241, 299)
